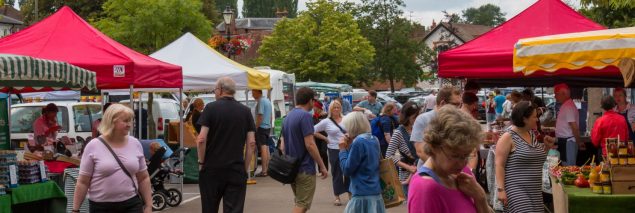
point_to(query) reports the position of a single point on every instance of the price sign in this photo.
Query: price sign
(43, 171)
(13, 176)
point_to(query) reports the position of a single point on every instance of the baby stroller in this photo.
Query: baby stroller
(160, 172)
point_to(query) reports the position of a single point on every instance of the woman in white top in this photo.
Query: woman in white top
(335, 131)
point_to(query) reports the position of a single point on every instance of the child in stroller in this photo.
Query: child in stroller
(160, 171)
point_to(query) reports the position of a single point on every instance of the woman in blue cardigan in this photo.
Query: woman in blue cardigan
(359, 160)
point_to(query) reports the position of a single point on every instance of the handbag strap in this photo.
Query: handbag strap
(119, 162)
(338, 126)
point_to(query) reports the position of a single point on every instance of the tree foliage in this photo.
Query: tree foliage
(320, 45)
(268, 8)
(210, 11)
(610, 13)
(222, 4)
(487, 14)
(159, 23)
(87, 9)
(396, 53)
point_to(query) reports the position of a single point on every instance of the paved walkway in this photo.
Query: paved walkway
(269, 196)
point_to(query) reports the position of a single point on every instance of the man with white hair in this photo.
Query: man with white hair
(226, 126)
(567, 126)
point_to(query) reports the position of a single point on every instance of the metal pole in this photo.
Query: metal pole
(9, 118)
(228, 38)
(139, 136)
(132, 107)
(181, 132)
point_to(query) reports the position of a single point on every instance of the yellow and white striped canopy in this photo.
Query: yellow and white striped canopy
(573, 51)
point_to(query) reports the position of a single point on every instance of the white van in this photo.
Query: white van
(162, 109)
(76, 119)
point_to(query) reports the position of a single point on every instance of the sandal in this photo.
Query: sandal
(262, 174)
(337, 202)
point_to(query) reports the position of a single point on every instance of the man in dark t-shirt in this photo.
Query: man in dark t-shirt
(297, 132)
(226, 127)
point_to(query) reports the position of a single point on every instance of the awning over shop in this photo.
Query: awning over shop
(203, 66)
(325, 87)
(590, 51)
(64, 36)
(489, 58)
(20, 74)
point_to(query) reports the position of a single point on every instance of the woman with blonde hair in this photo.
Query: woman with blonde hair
(445, 183)
(388, 122)
(335, 130)
(359, 159)
(113, 169)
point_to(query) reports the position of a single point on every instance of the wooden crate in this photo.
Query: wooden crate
(623, 179)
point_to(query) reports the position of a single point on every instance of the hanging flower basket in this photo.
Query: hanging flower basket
(235, 46)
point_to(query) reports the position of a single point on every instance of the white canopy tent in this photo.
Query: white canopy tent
(278, 79)
(203, 66)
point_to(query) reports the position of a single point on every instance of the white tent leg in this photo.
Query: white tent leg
(9, 118)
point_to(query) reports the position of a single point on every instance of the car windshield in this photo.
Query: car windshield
(23, 117)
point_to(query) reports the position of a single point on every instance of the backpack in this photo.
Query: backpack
(377, 130)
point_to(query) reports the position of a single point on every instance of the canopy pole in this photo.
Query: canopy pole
(139, 136)
(181, 132)
(9, 117)
(132, 107)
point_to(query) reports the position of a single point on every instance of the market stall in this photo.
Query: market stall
(203, 66)
(24, 184)
(488, 59)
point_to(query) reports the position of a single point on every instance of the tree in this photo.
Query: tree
(159, 23)
(320, 45)
(222, 4)
(610, 13)
(259, 8)
(395, 59)
(210, 11)
(488, 15)
(87, 9)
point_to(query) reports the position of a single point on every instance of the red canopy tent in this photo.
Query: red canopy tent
(64, 36)
(488, 59)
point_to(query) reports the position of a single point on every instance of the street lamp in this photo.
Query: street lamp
(228, 14)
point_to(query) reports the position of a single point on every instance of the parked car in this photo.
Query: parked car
(75, 118)
(163, 109)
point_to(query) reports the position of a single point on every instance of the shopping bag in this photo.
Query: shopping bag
(391, 189)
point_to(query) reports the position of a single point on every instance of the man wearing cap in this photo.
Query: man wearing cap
(567, 126)
(45, 127)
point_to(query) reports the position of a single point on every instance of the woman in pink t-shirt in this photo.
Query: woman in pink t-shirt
(109, 188)
(444, 183)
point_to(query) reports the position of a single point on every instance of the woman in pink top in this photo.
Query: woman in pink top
(444, 183)
(109, 188)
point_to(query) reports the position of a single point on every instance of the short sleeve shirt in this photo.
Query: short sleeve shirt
(499, 100)
(568, 113)
(108, 182)
(264, 108)
(229, 122)
(430, 101)
(420, 125)
(297, 125)
(375, 108)
(334, 133)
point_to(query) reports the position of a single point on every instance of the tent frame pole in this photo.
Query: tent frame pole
(132, 107)
(181, 132)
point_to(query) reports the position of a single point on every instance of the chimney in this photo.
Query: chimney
(281, 13)
(434, 24)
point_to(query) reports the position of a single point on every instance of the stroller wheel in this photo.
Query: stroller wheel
(159, 201)
(174, 197)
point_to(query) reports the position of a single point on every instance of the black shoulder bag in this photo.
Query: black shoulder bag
(284, 168)
(338, 126)
(124, 170)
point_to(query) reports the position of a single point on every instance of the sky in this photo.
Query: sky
(424, 11)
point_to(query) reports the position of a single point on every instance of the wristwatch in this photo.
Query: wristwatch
(500, 189)
(200, 163)
(75, 211)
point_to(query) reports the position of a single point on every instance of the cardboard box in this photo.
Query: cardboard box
(623, 179)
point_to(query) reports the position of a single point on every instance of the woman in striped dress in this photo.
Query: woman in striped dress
(519, 161)
(400, 142)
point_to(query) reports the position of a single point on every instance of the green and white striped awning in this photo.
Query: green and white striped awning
(27, 74)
